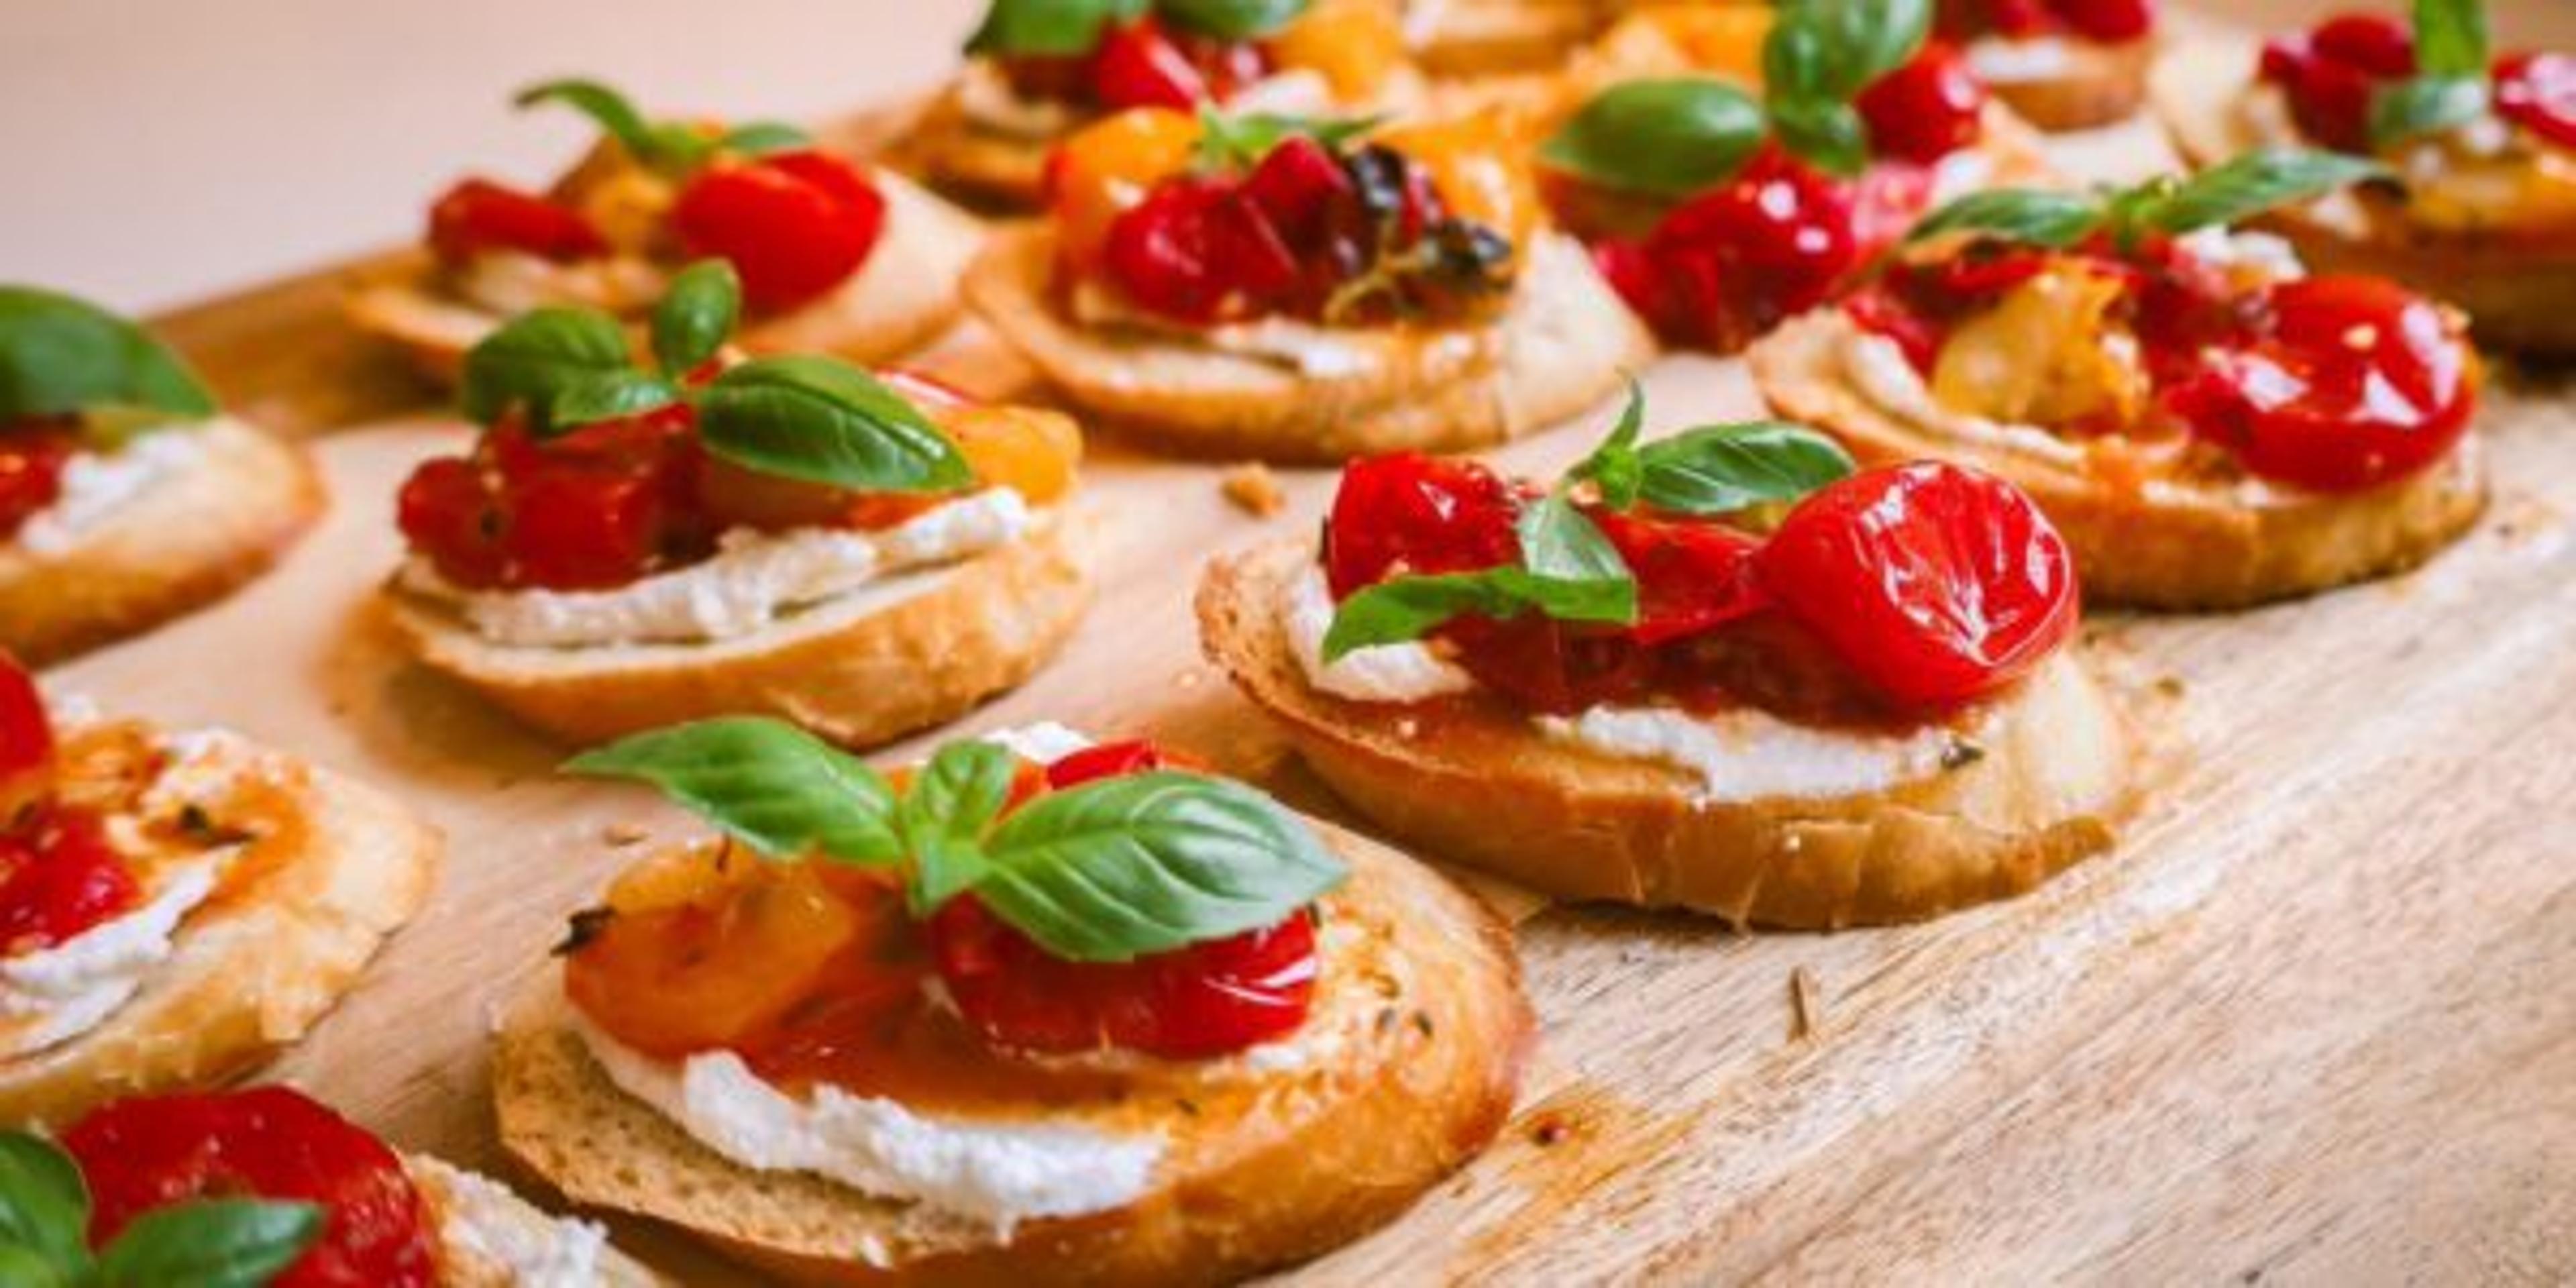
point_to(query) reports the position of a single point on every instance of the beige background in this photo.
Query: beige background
(163, 150)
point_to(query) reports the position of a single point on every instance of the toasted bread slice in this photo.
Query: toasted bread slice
(985, 168)
(892, 657)
(1560, 347)
(1418, 1033)
(902, 298)
(489, 1237)
(261, 961)
(2175, 544)
(2096, 84)
(2040, 789)
(2515, 289)
(1490, 37)
(179, 544)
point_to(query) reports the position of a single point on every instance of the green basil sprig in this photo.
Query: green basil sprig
(204, 1243)
(819, 420)
(1071, 28)
(1232, 19)
(1569, 570)
(1819, 55)
(1240, 142)
(60, 356)
(1107, 871)
(2224, 194)
(2449, 86)
(1664, 138)
(675, 147)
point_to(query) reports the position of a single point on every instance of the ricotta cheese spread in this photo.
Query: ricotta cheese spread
(95, 485)
(1407, 672)
(998, 1173)
(754, 579)
(56, 994)
(482, 1225)
(2004, 60)
(508, 283)
(1745, 755)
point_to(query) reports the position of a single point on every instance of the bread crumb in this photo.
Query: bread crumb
(622, 835)
(1253, 490)
(1548, 1131)
(2169, 686)
(1805, 1013)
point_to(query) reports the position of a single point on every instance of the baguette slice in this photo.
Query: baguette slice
(258, 965)
(1561, 347)
(489, 1237)
(903, 654)
(1479, 784)
(2182, 544)
(167, 551)
(902, 298)
(1492, 37)
(2514, 289)
(2099, 85)
(1429, 1031)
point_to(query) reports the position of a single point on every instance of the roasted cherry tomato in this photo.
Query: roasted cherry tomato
(26, 741)
(1191, 1003)
(1197, 250)
(2330, 75)
(1925, 110)
(2360, 382)
(1691, 577)
(2538, 93)
(1937, 584)
(1137, 65)
(31, 475)
(793, 224)
(267, 1142)
(59, 877)
(478, 215)
(1113, 760)
(1410, 513)
(710, 958)
(1731, 263)
(2108, 21)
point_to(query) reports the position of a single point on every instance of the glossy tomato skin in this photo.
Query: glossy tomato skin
(1197, 250)
(267, 1142)
(794, 225)
(1410, 513)
(1937, 584)
(1724, 267)
(598, 506)
(1692, 576)
(31, 474)
(478, 215)
(58, 878)
(2359, 382)
(2537, 91)
(1114, 760)
(26, 740)
(1925, 110)
(2330, 75)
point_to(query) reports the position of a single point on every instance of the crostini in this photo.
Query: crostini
(2207, 424)
(264, 1186)
(1717, 214)
(1621, 689)
(1038, 71)
(2478, 206)
(1040, 1010)
(176, 908)
(835, 257)
(1297, 291)
(1497, 37)
(624, 548)
(2059, 64)
(127, 497)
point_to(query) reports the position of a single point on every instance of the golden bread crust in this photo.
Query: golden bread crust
(2102, 84)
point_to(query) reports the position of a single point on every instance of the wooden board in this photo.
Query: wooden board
(2314, 1018)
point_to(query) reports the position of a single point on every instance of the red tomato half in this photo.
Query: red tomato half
(793, 224)
(479, 215)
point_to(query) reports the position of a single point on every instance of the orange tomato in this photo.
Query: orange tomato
(1724, 39)
(1357, 46)
(1104, 168)
(698, 956)
(1030, 451)
(1475, 162)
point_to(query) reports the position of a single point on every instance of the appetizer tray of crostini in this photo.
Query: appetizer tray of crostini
(1802, 680)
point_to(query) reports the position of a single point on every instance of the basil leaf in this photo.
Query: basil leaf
(1613, 466)
(2248, 185)
(2451, 38)
(828, 422)
(1558, 543)
(608, 109)
(61, 356)
(944, 867)
(945, 814)
(1232, 19)
(696, 315)
(1059, 28)
(1145, 863)
(1826, 132)
(1664, 138)
(1833, 49)
(2425, 105)
(24, 1267)
(1408, 608)
(210, 1243)
(44, 1205)
(592, 397)
(759, 137)
(1718, 469)
(2028, 216)
(775, 787)
(534, 357)
(1240, 142)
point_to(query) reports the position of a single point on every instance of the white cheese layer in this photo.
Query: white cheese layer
(754, 579)
(1408, 672)
(1745, 755)
(998, 1173)
(96, 485)
(53, 995)
(484, 1226)
(507, 283)
(2012, 60)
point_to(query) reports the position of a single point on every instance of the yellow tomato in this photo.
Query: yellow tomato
(1107, 167)
(1724, 39)
(693, 956)
(1355, 45)
(1475, 162)
(1032, 452)
(2038, 357)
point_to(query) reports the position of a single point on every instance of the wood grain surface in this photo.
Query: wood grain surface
(2314, 1021)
